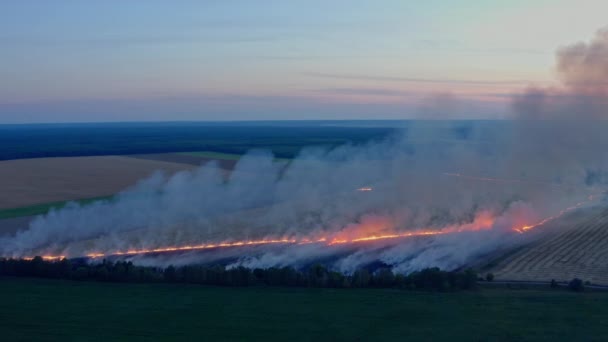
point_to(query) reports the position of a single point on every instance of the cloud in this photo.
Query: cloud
(583, 67)
(583, 93)
(412, 80)
(364, 91)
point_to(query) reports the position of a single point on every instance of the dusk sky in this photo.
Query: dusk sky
(84, 61)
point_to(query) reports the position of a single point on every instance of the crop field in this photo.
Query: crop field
(39, 309)
(43, 208)
(26, 182)
(575, 251)
(224, 160)
(27, 191)
(212, 155)
(71, 178)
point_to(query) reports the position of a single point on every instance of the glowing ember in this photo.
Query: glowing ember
(324, 241)
(47, 257)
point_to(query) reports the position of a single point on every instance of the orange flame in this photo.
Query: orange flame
(554, 217)
(371, 229)
(47, 258)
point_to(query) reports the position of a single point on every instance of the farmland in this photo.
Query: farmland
(34, 186)
(49, 179)
(577, 250)
(36, 309)
(43, 208)
(27, 182)
(67, 173)
(224, 161)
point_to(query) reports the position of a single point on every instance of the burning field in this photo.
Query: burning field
(389, 203)
(441, 193)
(575, 249)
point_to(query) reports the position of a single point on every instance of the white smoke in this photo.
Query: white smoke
(315, 195)
(538, 166)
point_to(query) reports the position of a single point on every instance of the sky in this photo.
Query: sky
(117, 60)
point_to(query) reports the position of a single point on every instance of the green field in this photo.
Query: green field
(219, 155)
(44, 208)
(37, 310)
(212, 155)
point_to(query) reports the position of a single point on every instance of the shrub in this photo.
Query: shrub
(315, 276)
(576, 285)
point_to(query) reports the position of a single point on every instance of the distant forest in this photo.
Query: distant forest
(285, 141)
(284, 138)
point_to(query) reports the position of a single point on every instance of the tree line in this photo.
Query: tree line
(315, 276)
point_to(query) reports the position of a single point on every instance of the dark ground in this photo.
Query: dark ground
(38, 310)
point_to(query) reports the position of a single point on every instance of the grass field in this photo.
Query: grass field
(221, 156)
(44, 208)
(71, 173)
(213, 155)
(35, 309)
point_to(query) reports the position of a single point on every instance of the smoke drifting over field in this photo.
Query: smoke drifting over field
(476, 181)
(559, 123)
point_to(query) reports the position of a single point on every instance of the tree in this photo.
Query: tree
(102, 273)
(361, 278)
(335, 279)
(576, 285)
(384, 278)
(64, 268)
(317, 276)
(554, 284)
(81, 273)
(170, 274)
(38, 266)
(489, 277)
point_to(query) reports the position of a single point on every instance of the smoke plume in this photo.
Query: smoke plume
(477, 181)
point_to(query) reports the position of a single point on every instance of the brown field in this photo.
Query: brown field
(572, 251)
(183, 158)
(31, 181)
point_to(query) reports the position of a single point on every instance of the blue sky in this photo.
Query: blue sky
(113, 60)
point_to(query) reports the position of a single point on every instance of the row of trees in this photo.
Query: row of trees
(314, 276)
